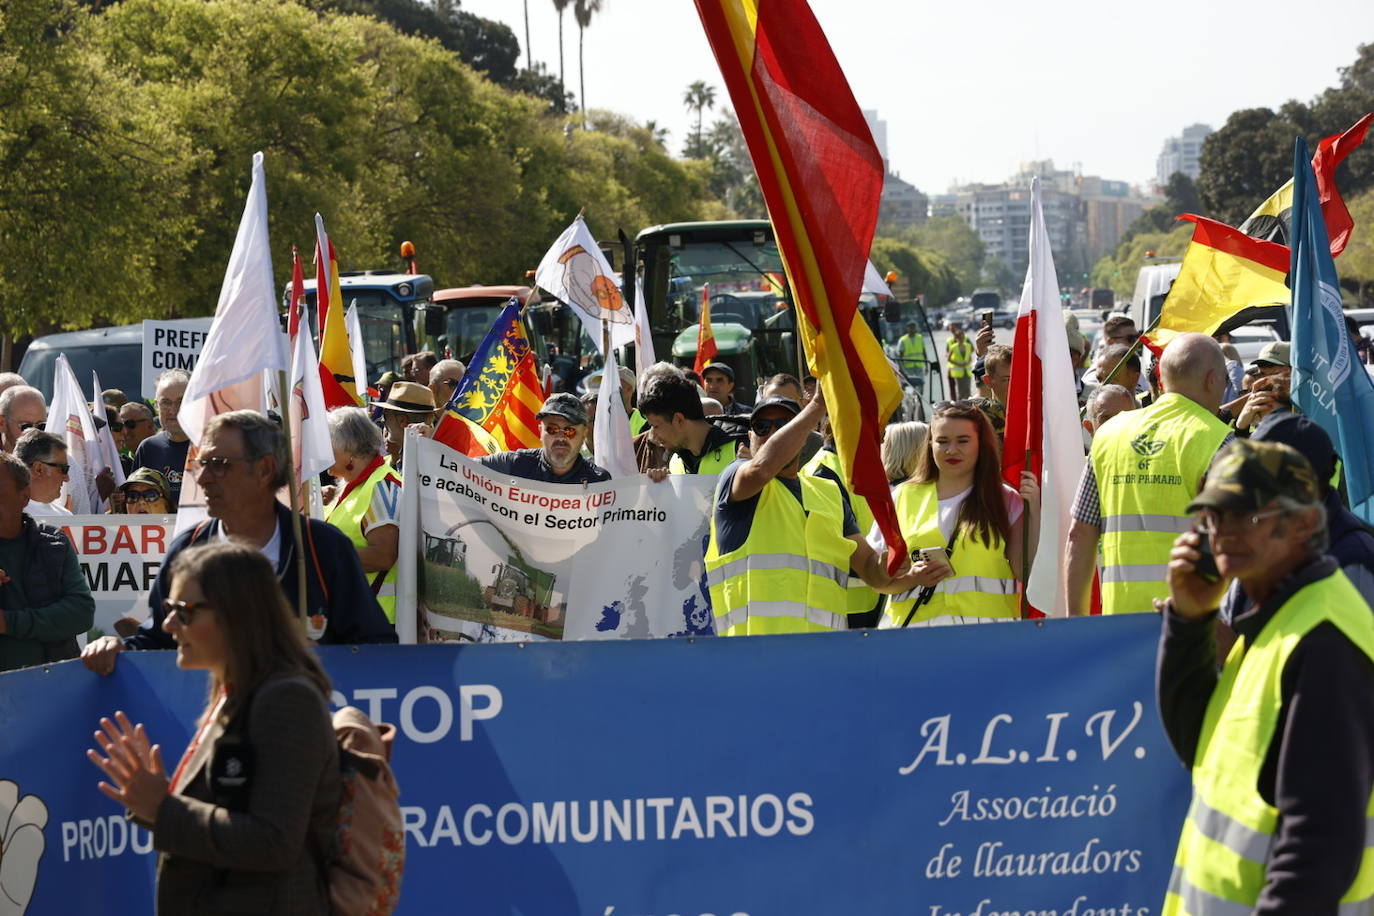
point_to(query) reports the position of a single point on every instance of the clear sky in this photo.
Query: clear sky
(971, 88)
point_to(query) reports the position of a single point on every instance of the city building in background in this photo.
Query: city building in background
(1181, 154)
(903, 205)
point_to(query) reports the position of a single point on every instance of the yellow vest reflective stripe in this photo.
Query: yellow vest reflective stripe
(861, 597)
(960, 357)
(347, 515)
(790, 574)
(983, 585)
(713, 462)
(911, 348)
(1148, 464)
(1223, 852)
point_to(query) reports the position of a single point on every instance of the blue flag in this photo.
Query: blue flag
(1330, 384)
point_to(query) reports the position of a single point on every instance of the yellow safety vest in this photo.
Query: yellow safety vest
(911, 348)
(983, 584)
(791, 573)
(960, 357)
(1223, 851)
(347, 513)
(861, 597)
(713, 462)
(637, 422)
(1149, 464)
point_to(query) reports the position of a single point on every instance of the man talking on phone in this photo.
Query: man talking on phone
(782, 544)
(1281, 741)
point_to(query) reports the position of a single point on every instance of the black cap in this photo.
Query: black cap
(1305, 435)
(720, 367)
(566, 406)
(786, 404)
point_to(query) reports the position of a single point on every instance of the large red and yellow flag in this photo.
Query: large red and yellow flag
(1227, 279)
(336, 357)
(706, 338)
(822, 177)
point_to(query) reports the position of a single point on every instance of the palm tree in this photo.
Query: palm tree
(583, 10)
(699, 97)
(560, 5)
(658, 135)
(529, 59)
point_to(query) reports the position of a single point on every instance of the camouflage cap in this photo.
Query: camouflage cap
(994, 411)
(1249, 475)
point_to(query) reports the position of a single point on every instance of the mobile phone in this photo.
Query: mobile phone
(932, 556)
(1206, 565)
(987, 319)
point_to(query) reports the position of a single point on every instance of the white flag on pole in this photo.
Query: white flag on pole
(69, 418)
(611, 434)
(644, 341)
(309, 428)
(354, 328)
(109, 452)
(245, 340)
(576, 271)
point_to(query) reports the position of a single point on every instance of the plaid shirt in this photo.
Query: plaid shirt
(1087, 506)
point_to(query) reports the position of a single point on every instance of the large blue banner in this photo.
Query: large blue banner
(955, 771)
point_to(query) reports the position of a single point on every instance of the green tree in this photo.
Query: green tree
(953, 238)
(733, 179)
(1356, 263)
(541, 84)
(926, 272)
(699, 97)
(95, 208)
(1118, 270)
(1244, 162)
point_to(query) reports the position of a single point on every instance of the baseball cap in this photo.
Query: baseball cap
(722, 368)
(1249, 474)
(786, 404)
(1303, 434)
(1275, 353)
(566, 406)
(148, 477)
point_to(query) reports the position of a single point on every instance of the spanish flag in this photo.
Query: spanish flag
(1227, 279)
(822, 178)
(706, 338)
(336, 357)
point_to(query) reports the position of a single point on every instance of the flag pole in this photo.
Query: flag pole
(1025, 551)
(1135, 348)
(293, 493)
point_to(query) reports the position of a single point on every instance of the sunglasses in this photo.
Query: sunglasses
(768, 427)
(26, 426)
(218, 467)
(567, 432)
(185, 611)
(148, 496)
(966, 402)
(115, 426)
(64, 468)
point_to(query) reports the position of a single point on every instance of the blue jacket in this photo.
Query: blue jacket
(335, 585)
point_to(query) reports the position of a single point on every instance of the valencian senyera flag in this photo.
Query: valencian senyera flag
(500, 392)
(1271, 219)
(822, 177)
(1329, 383)
(1227, 279)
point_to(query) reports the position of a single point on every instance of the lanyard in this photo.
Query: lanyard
(200, 733)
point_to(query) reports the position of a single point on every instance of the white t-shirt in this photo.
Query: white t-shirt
(37, 508)
(271, 550)
(949, 514)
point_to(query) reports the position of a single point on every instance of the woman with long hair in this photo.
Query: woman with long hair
(962, 525)
(245, 822)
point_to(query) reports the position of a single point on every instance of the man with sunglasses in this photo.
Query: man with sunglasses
(45, 455)
(1281, 741)
(137, 420)
(21, 408)
(562, 430)
(45, 600)
(243, 462)
(782, 544)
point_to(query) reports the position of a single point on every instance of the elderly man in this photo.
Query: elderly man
(45, 455)
(562, 430)
(21, 408)
(444, 379)
(1270, 386)
(420, 366)
(166, 451)
(1105, 402)
(1146, 466)
(406, 403)
(1281, 741)
(1128, 376)
(243, 461)
(719, 381)
(781, 542)
(137, 418)
(45, 601)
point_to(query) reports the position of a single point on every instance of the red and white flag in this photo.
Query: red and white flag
(1042, 432)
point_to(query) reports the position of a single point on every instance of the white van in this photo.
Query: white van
(1152, 285)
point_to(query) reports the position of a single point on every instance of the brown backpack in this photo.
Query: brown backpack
(368, 857)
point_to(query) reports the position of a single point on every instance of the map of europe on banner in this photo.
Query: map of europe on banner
(953, 771)
(504, 559)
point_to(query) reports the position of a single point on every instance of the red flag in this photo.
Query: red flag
(706, 339)
(822, 177)
(1330, 152)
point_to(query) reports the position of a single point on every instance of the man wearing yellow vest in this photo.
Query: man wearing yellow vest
(781, 544)
(911, 352)
(1281, 741)
(959, 353)
(1146, 466)
(863, 600)
(672, 410)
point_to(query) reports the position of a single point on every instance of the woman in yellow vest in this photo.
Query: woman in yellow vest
(956, 499)
(368, 498)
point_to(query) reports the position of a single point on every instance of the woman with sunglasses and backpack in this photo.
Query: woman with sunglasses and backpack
(245, 821)
(962, 525)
